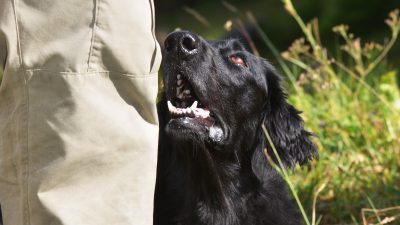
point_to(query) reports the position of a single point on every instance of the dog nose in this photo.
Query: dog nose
(182, 42)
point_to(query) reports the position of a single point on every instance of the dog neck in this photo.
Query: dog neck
(216, 181)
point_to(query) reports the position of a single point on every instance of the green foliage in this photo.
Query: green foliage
(351, 101)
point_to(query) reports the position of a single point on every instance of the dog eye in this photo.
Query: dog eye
(237, 60)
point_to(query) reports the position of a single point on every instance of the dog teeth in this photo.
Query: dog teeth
(180, 96)
(194, 105)
(191, 111)
(179, 92)
(171, 108)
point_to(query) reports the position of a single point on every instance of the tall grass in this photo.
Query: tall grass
(351, 102)
(350, 99)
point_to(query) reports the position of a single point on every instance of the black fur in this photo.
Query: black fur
(216, 173)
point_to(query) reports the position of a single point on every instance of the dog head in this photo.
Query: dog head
(219, 94)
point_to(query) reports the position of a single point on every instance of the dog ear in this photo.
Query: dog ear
(285, 126)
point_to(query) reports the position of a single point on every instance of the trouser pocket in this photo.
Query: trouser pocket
(100, 130)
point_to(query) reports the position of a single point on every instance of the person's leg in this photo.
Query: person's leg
(78, 130)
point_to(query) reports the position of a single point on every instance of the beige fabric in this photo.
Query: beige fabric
(78, 125)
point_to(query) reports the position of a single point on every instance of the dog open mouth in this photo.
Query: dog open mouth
(188, 112)
(185, 102)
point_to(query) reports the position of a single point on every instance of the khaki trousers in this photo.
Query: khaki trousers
(78, 124)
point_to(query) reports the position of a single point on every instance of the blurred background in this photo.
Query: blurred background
(208, 17)
(344, 79)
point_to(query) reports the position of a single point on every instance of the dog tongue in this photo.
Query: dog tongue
(197, 112)
(204, 113)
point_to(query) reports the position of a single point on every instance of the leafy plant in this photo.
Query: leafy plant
(351, 102)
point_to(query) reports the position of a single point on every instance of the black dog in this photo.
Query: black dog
(212, 169)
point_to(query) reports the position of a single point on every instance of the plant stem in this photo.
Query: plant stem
(292, 11)
(286, 176)
(351, 73)
(382, 55)
(274, 51)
